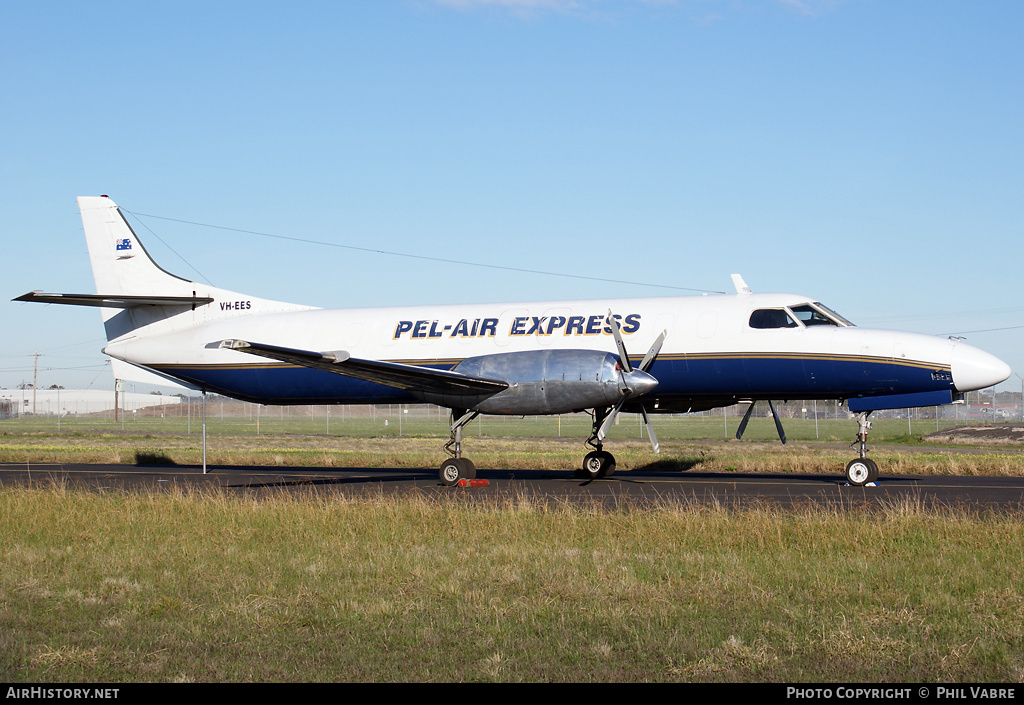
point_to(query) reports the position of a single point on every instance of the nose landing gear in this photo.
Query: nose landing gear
(862, 470)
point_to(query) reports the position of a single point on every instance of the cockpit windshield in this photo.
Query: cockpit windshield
(832, 314)
(809, 314)
(822, 316)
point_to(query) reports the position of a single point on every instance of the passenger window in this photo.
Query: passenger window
(771, 318)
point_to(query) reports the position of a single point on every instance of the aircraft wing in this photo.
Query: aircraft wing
(113, 301)
(393, 374)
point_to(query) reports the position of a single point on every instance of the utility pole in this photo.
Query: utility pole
(204, 431)
(1021, 396)
(35, 381)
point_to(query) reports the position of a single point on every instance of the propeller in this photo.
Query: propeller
(637, 381)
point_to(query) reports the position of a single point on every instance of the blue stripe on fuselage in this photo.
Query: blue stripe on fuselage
(761, 376)
(794, 377)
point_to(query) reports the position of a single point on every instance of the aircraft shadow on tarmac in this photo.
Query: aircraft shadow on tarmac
(274, 476)
(646, 483)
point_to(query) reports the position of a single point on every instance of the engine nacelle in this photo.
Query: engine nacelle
(542, 382)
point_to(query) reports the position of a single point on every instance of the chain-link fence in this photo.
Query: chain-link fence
(802, 420)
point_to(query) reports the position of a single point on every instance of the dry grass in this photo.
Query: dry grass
(496, 453)
(210, 586)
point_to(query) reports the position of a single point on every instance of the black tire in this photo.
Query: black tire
(873, 474)
(453, 470)
(597, 464)
(858, 471)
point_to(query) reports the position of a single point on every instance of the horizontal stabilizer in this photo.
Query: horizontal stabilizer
(392, 374)
(113, 301)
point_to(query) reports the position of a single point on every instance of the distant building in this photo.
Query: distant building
(76, 402)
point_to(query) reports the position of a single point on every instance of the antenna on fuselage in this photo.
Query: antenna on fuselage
(741, 286)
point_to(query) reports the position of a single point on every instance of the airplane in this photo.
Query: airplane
(521, 359)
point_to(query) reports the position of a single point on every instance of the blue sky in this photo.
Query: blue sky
(866, 153)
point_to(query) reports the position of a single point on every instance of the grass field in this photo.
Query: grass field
(209, 587)
(173, 586)
(688, 442)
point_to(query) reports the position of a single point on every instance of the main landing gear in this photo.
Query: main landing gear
(596, 464)
(599, 462)
(863, 470)
(456, 467)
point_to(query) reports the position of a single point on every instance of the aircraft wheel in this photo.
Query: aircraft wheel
(599, 463)
(873, 474)
(859, 471)
(455, 469)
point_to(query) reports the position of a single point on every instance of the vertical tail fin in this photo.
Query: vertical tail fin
(120, 264)
(134, 292)
(136, 296)
(122, 267)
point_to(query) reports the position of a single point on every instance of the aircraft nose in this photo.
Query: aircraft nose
(976, 369)
(639, 382)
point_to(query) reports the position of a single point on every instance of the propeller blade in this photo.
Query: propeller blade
(606, 425)
(778, 423)
(638, 382)
(623, 357)
(743, 423)
(648, 360)
(650, 430)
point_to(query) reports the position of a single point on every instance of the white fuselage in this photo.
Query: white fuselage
(710, 352)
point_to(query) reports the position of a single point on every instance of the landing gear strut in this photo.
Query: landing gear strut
(456, 467)
(598, 462)
(862, 470)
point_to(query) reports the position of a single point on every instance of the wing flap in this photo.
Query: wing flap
(113, 301)
(392, 374)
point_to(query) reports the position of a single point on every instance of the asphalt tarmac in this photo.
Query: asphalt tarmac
(634, 488)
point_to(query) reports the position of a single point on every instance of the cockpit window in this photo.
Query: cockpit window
(771, 318)
(810, 316)
(842, 321)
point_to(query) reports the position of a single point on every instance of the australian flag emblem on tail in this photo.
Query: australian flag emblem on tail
(125, 244)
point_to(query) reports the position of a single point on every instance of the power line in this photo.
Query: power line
(985, 330)
(153, 233)
(420, 257)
